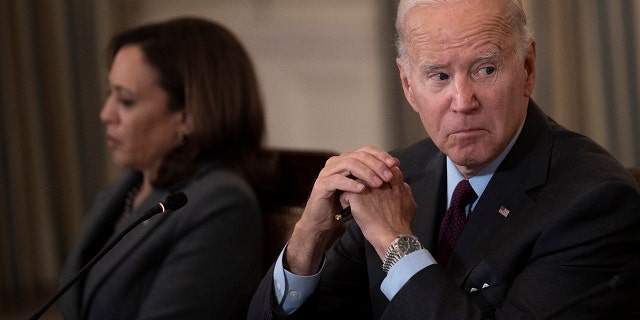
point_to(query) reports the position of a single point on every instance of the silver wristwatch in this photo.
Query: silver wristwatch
(398, 248)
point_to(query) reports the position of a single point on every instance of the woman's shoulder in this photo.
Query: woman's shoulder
(215, 181)
(216, 176)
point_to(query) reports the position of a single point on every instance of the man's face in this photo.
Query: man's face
(465, 79)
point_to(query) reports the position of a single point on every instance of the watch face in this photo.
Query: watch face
(408, 244)
(400, 247)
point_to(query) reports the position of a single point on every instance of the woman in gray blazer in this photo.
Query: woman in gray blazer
(183, 113)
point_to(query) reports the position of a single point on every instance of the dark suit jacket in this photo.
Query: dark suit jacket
(573, 224)
(179, 265)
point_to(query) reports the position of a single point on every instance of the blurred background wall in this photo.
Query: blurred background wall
(329, 80)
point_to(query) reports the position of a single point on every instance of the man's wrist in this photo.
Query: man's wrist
(401, 246)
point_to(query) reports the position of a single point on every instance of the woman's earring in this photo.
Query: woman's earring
(181, 137)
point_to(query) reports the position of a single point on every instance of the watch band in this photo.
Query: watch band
(398, 249)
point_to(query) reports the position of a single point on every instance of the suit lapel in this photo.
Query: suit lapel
(502, 205)
(431, 204)
(487, 226)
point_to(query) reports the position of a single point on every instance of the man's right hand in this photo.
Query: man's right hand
(353, 172)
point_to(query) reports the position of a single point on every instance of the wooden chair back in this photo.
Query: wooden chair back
(294, 174)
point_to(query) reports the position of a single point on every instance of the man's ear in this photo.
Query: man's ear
(530, 69)
(406, 86)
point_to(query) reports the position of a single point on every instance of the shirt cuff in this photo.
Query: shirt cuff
(403, 270)
(292, 290)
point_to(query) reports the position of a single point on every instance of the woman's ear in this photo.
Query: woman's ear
(187, 126)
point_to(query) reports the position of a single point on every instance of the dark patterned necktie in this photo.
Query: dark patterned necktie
(454, 220)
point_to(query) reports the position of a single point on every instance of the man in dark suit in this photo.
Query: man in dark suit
(551, 223)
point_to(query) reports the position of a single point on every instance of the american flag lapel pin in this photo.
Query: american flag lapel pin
(503, 211)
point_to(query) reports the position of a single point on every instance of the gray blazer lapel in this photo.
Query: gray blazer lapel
(126, 247)
(104, 212)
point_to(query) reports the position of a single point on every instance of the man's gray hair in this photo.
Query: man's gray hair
(515, 12)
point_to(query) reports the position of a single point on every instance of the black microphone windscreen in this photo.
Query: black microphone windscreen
(175, 201)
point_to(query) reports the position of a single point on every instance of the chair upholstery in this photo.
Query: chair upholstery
(294, 173)
(635, 172)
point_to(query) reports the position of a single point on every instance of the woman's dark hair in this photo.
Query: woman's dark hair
(206, 71)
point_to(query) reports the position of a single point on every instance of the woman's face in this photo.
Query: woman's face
(140, 128)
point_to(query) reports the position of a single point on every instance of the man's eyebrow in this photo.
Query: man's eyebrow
(428, 68)
(434, 67)
(488, 55)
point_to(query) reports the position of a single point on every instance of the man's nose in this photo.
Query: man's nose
(464, 98)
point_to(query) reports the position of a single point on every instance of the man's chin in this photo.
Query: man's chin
(469, 164)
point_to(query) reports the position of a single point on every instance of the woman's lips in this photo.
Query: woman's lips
(112, 142)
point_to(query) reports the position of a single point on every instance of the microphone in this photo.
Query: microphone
(172, 202)
(619, 283)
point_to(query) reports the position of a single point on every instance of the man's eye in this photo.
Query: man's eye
(489, 70)
(443, 76)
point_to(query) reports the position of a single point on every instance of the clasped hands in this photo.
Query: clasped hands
(370, 182)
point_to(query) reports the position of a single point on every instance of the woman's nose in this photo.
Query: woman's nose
(107, 114)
